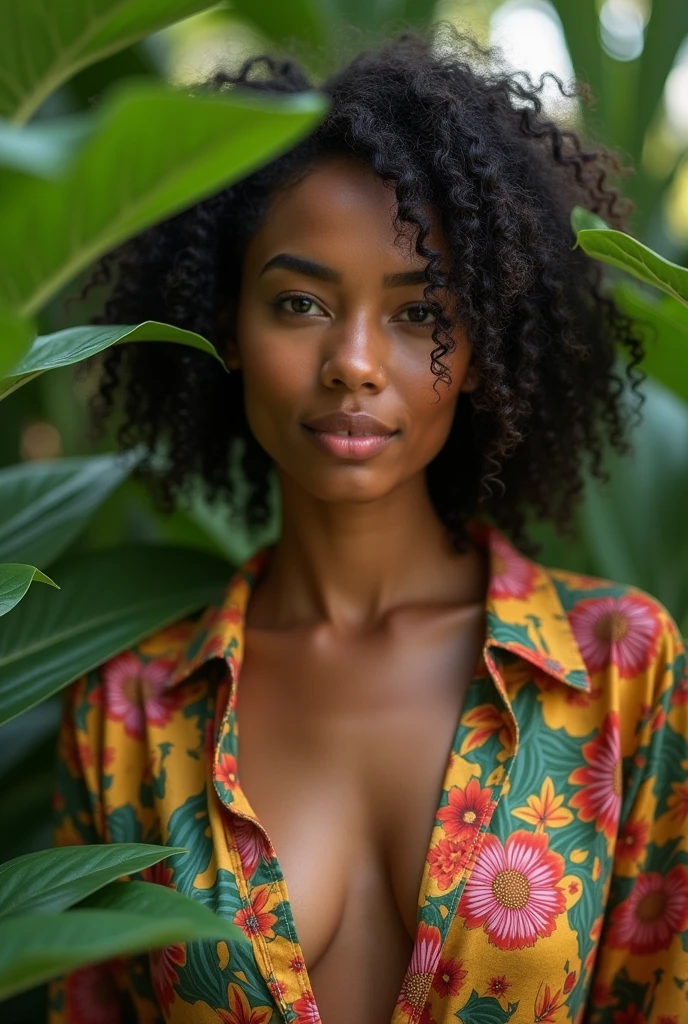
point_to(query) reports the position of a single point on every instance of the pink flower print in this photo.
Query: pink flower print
(513, 891)
(306, 1009)
(421, 971)
(250, 844)
(135, 692)
(512, 575)
(654, 914)
(600, 798)
(616, 631)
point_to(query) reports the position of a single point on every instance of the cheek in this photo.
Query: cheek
(430, 400)
(276, 378)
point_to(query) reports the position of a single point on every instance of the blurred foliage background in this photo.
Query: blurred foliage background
(634, 55)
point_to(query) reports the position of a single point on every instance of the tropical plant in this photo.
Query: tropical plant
(94, 147)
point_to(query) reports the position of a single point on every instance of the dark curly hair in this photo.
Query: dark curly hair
(442, 120)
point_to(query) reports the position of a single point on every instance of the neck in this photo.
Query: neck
(352, 564)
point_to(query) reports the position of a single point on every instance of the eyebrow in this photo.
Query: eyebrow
(322, 273)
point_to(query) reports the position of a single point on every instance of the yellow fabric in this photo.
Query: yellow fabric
(555, 885)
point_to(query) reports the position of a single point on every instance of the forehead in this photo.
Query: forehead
(340, 207)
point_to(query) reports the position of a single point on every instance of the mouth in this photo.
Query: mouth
(347, 444)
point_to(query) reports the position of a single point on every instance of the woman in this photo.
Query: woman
(459, 790)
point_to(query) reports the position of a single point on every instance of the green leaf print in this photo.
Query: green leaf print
(485, 1010)
(510, 633)
(125, 827)
(190, 820)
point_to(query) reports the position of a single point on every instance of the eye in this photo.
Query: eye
(419, 314)
(298, 305)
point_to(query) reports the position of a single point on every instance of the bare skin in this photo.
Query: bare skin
(364, 632)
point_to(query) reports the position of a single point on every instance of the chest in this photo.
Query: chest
(342, 755)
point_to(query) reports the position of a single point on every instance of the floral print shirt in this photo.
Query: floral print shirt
(555, 884)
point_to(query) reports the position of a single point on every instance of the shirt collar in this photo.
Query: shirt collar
(525, 616)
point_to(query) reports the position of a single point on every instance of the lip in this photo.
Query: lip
(348, 447)
(357, 422)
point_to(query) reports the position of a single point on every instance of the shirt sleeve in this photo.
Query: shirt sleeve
(113, 989)
(641, 971)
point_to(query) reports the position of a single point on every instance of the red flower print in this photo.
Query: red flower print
(631, 1015)
(278, 989)
(680, 693)
(616, 631)
(226, 771)
(600, 798)
(602, 994)
(447, 860)
(665, 1019)
(655, 911)
(251, 845)
(632, 840)
(425, 1017)
(449, 977)
(678, 801)
(498, 986)
(466, 810)
(421, 970)
(256, 920)
(512, 575)
(306, 1009)
(91, 996)
(570, 981)
(135, 692)
(240, 1011)
(163, 965)
(297, 964)
(546, 1005)
(159, 874)
(513, 890)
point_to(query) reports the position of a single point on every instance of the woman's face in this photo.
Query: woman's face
(331, 319)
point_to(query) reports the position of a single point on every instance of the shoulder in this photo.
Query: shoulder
(131, 683)
(621, 630)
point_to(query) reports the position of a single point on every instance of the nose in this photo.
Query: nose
(355, 356)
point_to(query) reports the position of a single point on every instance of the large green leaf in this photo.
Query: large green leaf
(45, 149)
(74, 344)
(42, 44)
(109, 600)
(52, 880)
(664, 322)
(618, 249)
(154, 152)
(15, 580)
(122, 919)
(16, 334)
(45, 505)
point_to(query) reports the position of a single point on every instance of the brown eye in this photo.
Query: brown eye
(298, 305)
(419, 314)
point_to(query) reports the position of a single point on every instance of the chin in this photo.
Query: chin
(350, 487)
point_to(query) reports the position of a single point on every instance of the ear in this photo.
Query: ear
(228, 348)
